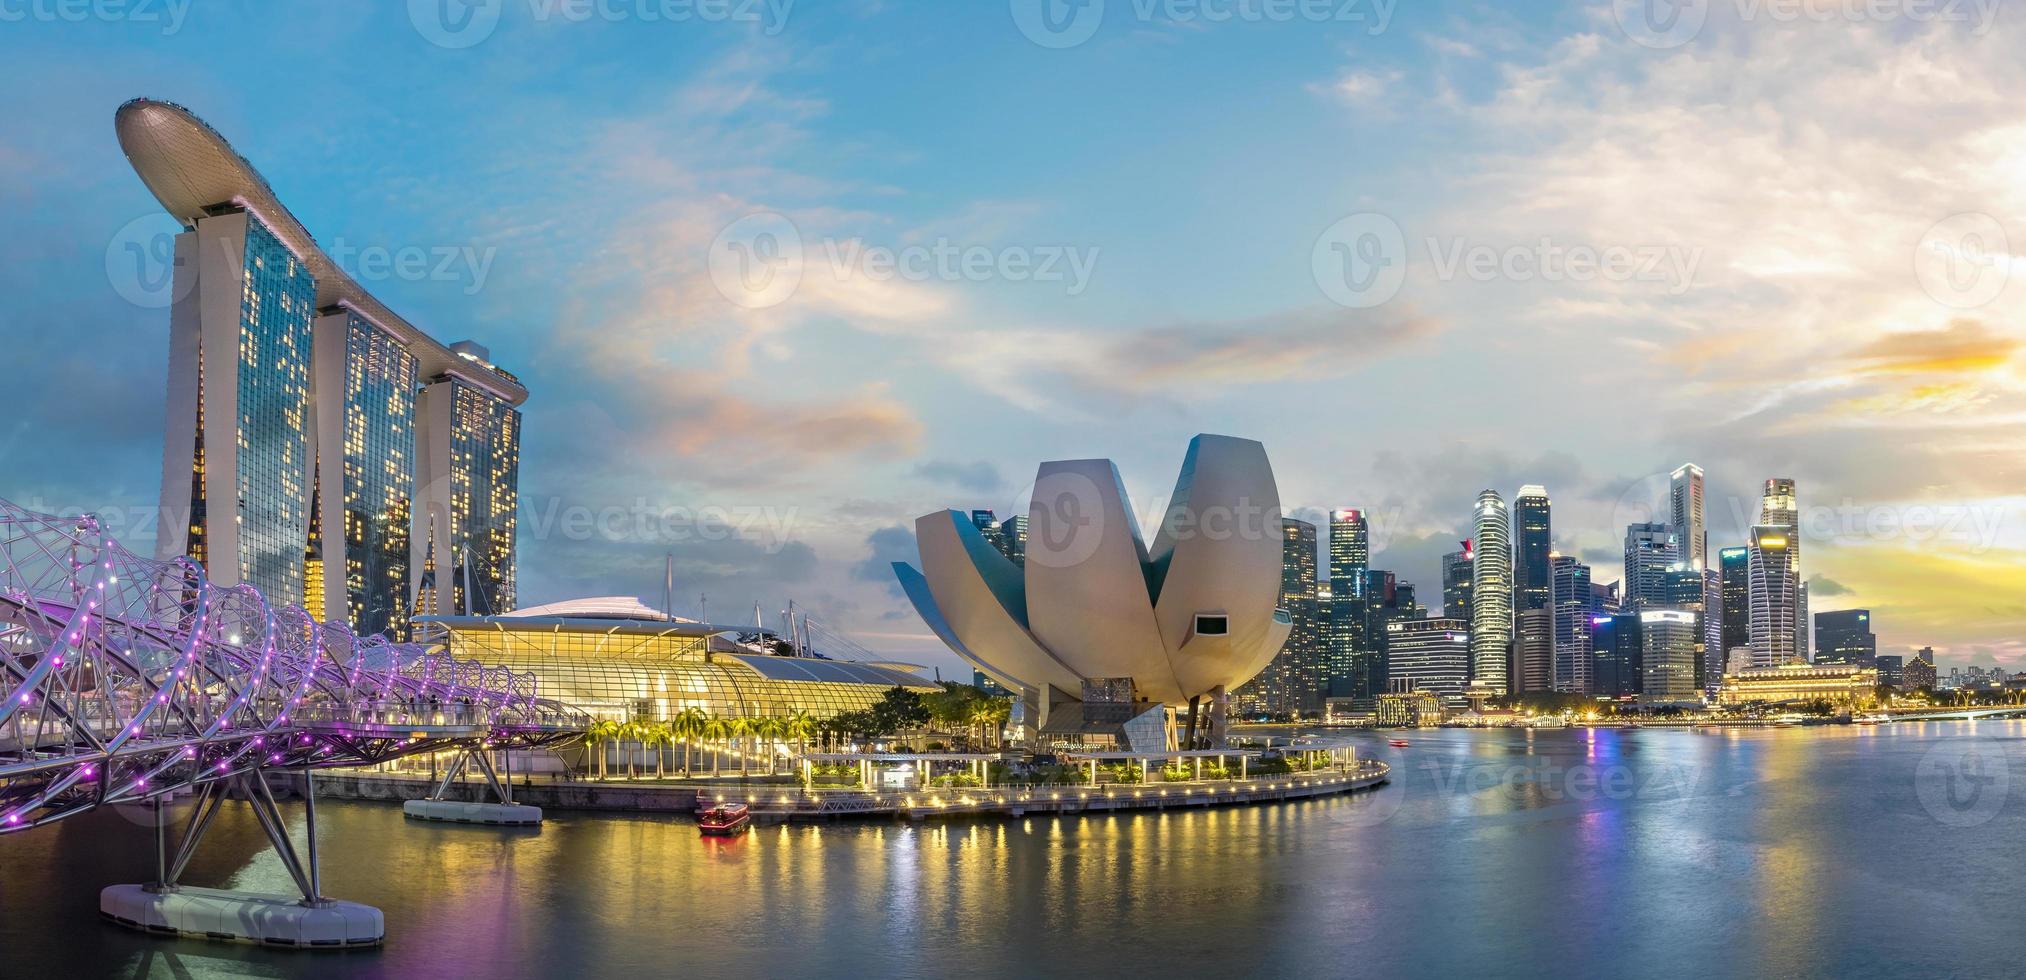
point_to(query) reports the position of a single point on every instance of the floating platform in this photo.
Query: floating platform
(270, 920)
(493, 814)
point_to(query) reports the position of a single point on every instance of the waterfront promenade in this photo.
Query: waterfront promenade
(773, 802)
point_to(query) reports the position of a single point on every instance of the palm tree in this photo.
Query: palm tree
(656, 734)
(600, 733)
(768, 732)
(716, 730)
(688, 725)
(735, 729)
(630, 732)
(799, 725)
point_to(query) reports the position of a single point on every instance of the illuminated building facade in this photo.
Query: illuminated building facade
(625, 669)
(1668, 643)
(1294, 682)
(1534, 651)
(1570, 600)
(1734, 585)
(1845, 637)
(1845, 685)
(1347, 638)
(470, 452)
(1533, 548)
(1779, 506)
(1684, 500)
(1619, 654)
(1491, 584)
(1920, 671)
(1650, 550)
(1429, 655)
(1456, 571)
(1773, 583)
(294, 426)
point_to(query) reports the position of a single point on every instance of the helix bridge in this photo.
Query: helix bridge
(130, 680)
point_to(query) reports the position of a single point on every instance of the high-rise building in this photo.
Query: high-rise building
(1572, 604)
(1891, 669)
(1292, 682)
(1772, 596)
(1845, 637)
(1650, 550)
(1013, 530)
(1430, 655)
(1348, 640)
(1533, 668)
(987, 524)
(1456, 572)
(313, 439)
(1714, 654)
(1682, 589)
(1735, 585)
(1779, 506)
(1919, 672)
(1668, 643)
(1684, 499)
(1619, 655)
(1491, 622)
(1533, 544)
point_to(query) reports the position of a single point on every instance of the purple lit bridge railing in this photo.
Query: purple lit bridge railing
(126, 679)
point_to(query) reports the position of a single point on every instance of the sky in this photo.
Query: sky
(783, 276)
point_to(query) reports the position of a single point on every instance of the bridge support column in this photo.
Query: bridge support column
(165, 907)
(504, 813)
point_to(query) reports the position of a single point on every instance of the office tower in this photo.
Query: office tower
(1405, 604)
(1431, 654)
(1456, 573)
(1668, 643)
(1533, 543)
(1891, 669)
(1347, 671)
(1772, 584)
(987, 524)
(1491, 622)
(1291, 682)
(1735, 588)
(1780, 507)
(1844, 637)
(1534, 651)
(1571, 602)
(1715, 655)
(469, 448)
(1920, 671)
(1682, 589)
(1619, 656)
(297, 434)
(1650, 550)
(1684, 500)
(1013, 530)
(1604, 598)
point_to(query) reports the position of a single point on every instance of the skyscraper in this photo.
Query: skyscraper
(1891, 669)
(1292, 682)
(1685, 513)
(1534, 651)
(1668, 640)
(1491, 622)
(1772, 584)
(1533, 544)
(1456, 572)
(1014, 531)
(1650, 550)
(1735, 584)
(1919, 672)
(1845, 637)
(1618, 654)
(313, 439)
(1571, 601)
(1431, 654)
(1347, 634)
(1779, 506)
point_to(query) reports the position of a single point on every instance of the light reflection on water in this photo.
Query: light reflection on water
(1548, 853)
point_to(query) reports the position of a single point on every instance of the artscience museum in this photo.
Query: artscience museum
(1107, 638)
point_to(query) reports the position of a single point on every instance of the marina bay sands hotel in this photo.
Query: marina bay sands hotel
(318, 446)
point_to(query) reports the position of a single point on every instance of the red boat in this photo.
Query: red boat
(724, 820)
(1398, 743)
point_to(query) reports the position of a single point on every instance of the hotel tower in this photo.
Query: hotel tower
(317, 445)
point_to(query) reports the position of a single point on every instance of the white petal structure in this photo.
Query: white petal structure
(1194, 616)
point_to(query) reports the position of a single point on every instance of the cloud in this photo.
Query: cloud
(1964, 346)
(976, 477)
(1823, 588)
(888, 545)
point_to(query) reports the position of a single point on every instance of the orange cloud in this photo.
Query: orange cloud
(1963, 347)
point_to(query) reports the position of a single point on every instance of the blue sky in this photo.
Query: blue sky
(1788, 177)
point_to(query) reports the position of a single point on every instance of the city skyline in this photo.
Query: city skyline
(856, 403)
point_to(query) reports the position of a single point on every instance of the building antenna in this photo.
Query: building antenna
(668, 590)
(703, 603)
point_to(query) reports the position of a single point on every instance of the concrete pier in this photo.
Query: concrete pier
(493, 814)
(270, 920)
